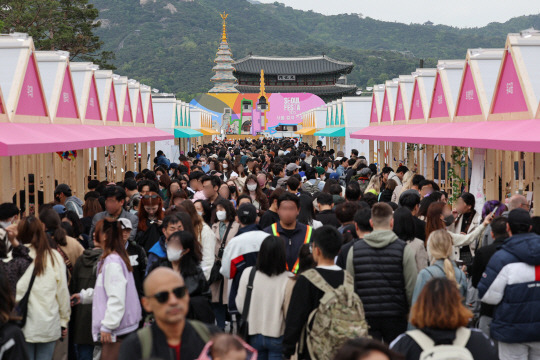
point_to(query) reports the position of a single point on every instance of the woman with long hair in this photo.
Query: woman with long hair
(204, 235)
(68, 247)
(173, 187)
(440, 316)
(227, 169)
(404, 229)
(48, 304)
(266, 316)
(374, 185)
(439, 216)
(240, 180)
(11, 337)
(224, 230)
(184, 255)
(254, 190)
(90, 208)
(204, 210)
(441, 249)
(307, 212)
(116, 309)
(150, 218)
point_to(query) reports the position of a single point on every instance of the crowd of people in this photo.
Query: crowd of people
(268, 249)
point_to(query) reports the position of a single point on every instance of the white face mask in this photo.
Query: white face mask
(174, 254)
(252, 187)
(203, 163)
(200, 213)
(225, 165)
(158, 176)
(221, 215)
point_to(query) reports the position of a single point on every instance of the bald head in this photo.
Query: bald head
(160, 278)
(517, 201)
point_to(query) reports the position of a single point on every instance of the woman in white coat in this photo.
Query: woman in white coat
(48, 304)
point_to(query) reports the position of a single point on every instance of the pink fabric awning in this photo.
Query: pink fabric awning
(25, 139)
(515, 135)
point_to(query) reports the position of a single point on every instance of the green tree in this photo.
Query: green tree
(58, 25)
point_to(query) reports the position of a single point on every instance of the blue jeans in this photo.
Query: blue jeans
(268, 348)
(84, 352)
(40, 351)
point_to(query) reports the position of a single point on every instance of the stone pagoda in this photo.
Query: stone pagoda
(224, 80)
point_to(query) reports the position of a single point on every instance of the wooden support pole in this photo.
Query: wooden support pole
(144, 156)
(529, 170)
(6, 192)
(101, 163)
(28, 210)
(491, 186)
(371, 152)
(153, 154)
(48, 177)
(429, 162)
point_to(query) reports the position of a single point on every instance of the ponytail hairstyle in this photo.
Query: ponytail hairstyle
(30, 231)
(441, 246)
(53, 226)
(114, 242)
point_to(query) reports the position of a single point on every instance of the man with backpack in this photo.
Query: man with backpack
(313, 185)
(324, 311)
(171, 336)
(384, 271)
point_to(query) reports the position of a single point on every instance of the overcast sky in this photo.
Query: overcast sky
(461, 13)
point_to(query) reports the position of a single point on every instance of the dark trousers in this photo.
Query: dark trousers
(386, 329)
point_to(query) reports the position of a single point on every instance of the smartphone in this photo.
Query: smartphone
(494, 210)
(113, 337)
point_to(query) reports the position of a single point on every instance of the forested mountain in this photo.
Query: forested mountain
(171, 44)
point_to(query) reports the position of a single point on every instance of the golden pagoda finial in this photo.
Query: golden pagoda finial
(262, 86)
(224, 17)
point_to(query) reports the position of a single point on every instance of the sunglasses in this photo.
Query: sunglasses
(163, 296)
(150, 196)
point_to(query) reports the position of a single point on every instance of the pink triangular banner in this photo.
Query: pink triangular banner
(112, 110)
(93, 110)
(67, 107)
(468, 104)
(438, 101)
(509, 95)
(374, 116)
(386, 116)
(400, 109)
(140, 116)
(128, 117)
(150, 118)
(417, 112)
(31, 99)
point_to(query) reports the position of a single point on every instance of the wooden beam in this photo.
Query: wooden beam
(371, 152)
(100, 163)
(6, 192)
(429, 162)
(48, 177)
(491, 183)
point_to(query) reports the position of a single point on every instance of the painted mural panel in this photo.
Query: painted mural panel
(238, 113)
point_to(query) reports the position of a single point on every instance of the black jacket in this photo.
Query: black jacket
(84, 277)
(12, 343)
(379, 279)
(304, 299)
(293, 243)
(148, 238)
(480, 262)
(480, 346)
(137, 257)
(419, 229)
(191, 345)
(328, 217)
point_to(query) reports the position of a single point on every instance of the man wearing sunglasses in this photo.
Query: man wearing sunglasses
(171, 336)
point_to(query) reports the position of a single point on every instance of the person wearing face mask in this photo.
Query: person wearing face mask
(184, 256)
(63, 196)
(9, 215)
(224, 229)
(258, 198)
(150, 219)
(204, 166)
(137, 256)
(170, 225)
(439, 216)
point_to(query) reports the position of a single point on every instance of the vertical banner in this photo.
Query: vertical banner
(477, 178)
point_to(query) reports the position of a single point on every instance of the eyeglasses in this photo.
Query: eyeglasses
(163, 296)
(150, 196)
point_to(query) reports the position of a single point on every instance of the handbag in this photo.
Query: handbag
(22, 306)
(243, 331)
(215, 275)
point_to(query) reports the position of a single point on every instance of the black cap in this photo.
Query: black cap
(519, 217)
(247, 214)
(64, 189)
